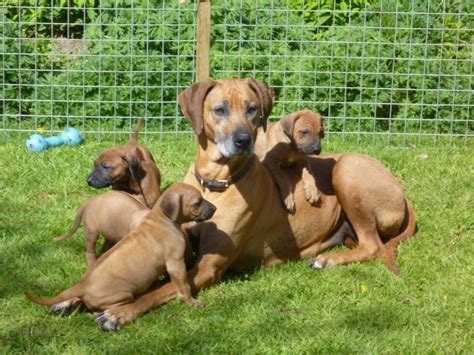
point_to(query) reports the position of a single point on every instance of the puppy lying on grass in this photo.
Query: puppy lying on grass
(286, 142)
(113, 214)
(133, 264)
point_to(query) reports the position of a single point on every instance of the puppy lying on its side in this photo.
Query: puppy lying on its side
(291, 140)
(133, 264)
(113, 214)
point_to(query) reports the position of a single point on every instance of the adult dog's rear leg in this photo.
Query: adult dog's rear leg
(370, 247)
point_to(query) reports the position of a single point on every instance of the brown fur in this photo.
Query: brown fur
(132, 265)
(250, 227)
(286, 142)
(131, 168)
(113, 214)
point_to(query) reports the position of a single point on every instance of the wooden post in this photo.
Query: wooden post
(203, 40)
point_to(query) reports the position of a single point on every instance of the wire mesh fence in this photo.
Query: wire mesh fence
(401, 70)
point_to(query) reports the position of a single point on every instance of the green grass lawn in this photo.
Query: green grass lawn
(289, 308)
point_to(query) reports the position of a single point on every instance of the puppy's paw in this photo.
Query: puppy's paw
(312, 194)
(114, 318)
(289, 203)
(67, 308)
(196, 303)
(107, 323)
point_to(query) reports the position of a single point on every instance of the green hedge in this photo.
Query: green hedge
(367, 68)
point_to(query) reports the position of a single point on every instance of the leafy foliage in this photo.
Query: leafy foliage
(373, 66)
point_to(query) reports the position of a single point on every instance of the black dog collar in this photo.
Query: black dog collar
(222, 185)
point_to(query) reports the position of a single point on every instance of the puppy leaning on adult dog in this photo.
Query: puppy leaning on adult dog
(113, 214)
(130, 168)
(287, 142)
(133, 264)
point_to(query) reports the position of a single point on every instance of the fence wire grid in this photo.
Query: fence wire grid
(401, 70)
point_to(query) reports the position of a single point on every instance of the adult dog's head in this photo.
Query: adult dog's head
(228, 112)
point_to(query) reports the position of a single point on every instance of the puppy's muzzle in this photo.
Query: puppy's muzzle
(209, 210)
(98, 180)
(314, 148)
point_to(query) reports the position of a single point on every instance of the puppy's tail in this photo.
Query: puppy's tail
(134, 137)
(77, 223)
(74, 291)
(392, 245)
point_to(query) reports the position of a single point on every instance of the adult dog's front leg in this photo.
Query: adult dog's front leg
(282, 182)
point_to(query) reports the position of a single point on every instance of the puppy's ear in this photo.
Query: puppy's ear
(170, 204)
(288, 122)
(266, 97)
(191, 102)
(133, 157)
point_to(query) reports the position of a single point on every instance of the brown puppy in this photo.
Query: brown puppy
(251, 228)
(130, 168)
(291, 140)
(131, 266)
(113, 214)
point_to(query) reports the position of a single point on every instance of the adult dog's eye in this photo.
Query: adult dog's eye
(219, 110)
(251, 110)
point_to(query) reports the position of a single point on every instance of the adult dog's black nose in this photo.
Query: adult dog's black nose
(242, 140)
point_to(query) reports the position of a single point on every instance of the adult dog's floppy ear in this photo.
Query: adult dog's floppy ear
(288, 122)
(191, 102)
(133, 157)
(266, 97)
(170, 204)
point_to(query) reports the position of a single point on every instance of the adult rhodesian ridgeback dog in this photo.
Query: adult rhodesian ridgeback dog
(251, 228)
(133, 264)
(286, 142)
(130, 168)
(113, 214)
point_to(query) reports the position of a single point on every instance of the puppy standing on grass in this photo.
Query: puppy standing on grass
(113, 214)
(131, 169)
(286, 142)
(132, 265)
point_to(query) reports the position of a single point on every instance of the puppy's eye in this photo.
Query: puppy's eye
(105, 165)
(197, 203)
(305, 132)
(219, 110)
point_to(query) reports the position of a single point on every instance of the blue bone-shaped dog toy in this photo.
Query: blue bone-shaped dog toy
(38, 143)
